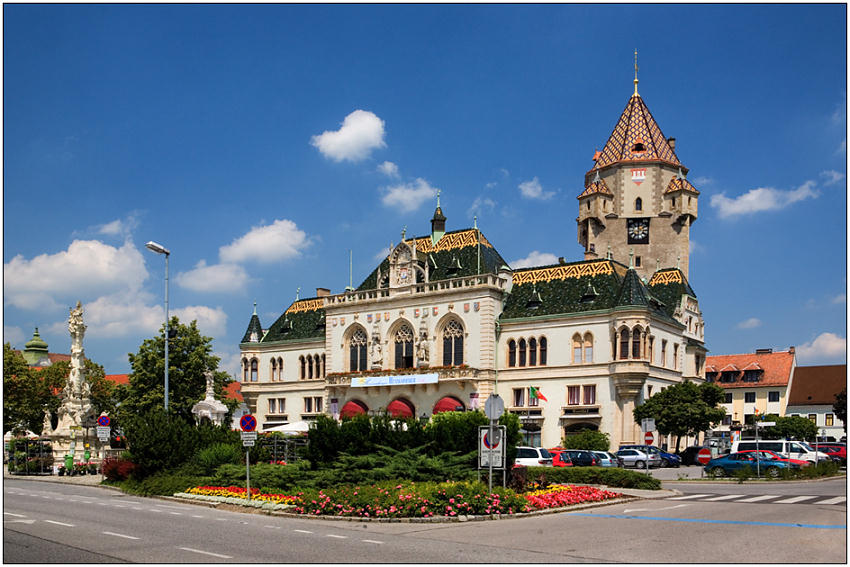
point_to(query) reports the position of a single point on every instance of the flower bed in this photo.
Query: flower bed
(406, 500)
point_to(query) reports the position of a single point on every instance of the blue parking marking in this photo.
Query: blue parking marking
(701, 521)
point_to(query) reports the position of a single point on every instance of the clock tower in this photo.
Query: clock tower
(638, 205)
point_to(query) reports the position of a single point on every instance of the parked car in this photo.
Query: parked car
(582, 458)
(533, 457)
(638, 459)
(655, 452)
(836, 451)
(733, 462)
(827, 439)
(606, 459)
(784, 447)
(689, 456)
(560, 457)
(771, 455)
(670, 460)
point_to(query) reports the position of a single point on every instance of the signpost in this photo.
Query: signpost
(494, 407)
(248, 423)
(704, 455)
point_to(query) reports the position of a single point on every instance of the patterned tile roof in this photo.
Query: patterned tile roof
(669, 285)
(254, 328)
(304, 319)
(777, 367)
(679, 184)
(598, 185)
(817, 385)
(636, 125)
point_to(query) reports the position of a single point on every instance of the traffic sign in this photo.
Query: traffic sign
(647, 424)
(103, 420)
(648, 438)
(765, 423)
(103, 432)
(248, 422)
(491, 450)
(494, 407)
(248, 438)
(704, 455)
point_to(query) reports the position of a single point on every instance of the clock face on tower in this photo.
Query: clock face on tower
(638, 231)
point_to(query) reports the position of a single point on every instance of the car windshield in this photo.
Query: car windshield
(795, 447)
(546, 454)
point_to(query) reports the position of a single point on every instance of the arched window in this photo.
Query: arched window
(324, 369)
(254, 367)
(309, 367)
(638, 204)
(624, 344)
(303, 367)
(511, 353)
(357, 351)
(542, 351)
(404, 347)
(532, 352)
(320, 371)
(651, 346)
(522, 352)
(244, 369)
(636, 332)
(273, 374)
(279, 368)
(576, 349)
(453, 344)
(588, 347)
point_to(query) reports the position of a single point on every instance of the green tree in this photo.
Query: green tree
(189, 356)
(683, 409)
(840, 407)
(23, 394)
(102, 392)
(793, 427)
(587, 440)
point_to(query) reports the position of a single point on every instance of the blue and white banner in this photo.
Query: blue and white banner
(403, 380)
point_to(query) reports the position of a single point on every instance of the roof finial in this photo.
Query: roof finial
(255, 308)
(298, 294)
(608, 255)
(678, 259)
(475, 222)
(438, 198)
(403, 232)
(636, 70)
(657, 264)
(631, 257)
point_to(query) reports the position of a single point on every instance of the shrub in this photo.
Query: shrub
(163, 484)
(210, 458)
(587, 440)
(159, 441)
(613, 477)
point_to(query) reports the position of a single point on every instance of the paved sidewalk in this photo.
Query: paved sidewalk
(84, 479)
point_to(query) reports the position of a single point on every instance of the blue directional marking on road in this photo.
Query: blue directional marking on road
(706, 521)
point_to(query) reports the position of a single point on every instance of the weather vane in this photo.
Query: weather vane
(636, 70)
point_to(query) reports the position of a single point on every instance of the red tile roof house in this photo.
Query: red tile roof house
(813, 394)
(758, 381)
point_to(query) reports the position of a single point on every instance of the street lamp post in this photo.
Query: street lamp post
(160, 249)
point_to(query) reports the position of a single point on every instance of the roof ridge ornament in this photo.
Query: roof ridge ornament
(636, 71)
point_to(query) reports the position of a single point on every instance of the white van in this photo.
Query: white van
(782, 447)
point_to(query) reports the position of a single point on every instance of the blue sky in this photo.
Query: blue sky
(261, 143)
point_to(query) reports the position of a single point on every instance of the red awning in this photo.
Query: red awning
(400, 408)
(447, 404)
(352, 408)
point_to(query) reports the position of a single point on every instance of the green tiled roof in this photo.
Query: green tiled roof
(668, 285)
(442, 258)
(304, 319)
(253, 327)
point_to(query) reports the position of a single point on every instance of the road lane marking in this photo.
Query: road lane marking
(337, 536)
(197, 516)
(653, 509)
(303, 531)
(120, 535)
(206, 552)
(757, 498)
(21, 522)
(176, 513)
(836, 500)
(371, 541)
(273, 527)
(15, 515)
(59, 523)
(689, 496)
(795, 499)
(704, 521)
(154, 510)
(724, 497)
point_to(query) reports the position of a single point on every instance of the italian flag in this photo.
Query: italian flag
(534, 392)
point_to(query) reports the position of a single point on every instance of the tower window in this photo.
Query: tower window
(638, 204)
(637, 261)
(638, 148)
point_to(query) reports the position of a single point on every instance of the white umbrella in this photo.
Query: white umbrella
(293, 428)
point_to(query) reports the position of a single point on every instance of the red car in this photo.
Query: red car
(560, 458)
(834, 450)
(765, 454)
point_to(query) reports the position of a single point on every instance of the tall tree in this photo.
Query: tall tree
(102, 392)
(27, 392)
(189, 356)
(840, 407)
(683, 409)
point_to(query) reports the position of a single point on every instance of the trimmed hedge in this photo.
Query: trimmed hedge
(608, 476)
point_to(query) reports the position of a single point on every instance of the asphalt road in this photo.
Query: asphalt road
(57, 523)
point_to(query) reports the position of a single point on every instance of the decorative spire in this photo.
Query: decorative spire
(631, 257)
(255, 308)
(608, 255)
(657, 264)
(678, 259)
(475, 222)
(438, 198)
(403, 233)
(636, 70)
(298, 294)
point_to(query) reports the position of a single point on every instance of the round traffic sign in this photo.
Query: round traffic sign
(493, 443)
(648, 438)
(248, 422)
(103, 420)
(704, 455)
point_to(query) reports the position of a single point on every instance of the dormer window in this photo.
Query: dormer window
(638, 148)
(752, 375)
(711, 376)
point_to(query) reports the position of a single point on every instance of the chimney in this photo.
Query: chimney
(672, 143)
(791, 350)
(764, 350)
(322, 292)
(562, 261)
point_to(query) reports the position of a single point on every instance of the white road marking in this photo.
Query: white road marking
(155, 510)
(836, 500)
(205, 552)
(196, 516)
(120, 535)
(337, 536)
(724, 497)
(221, 519)
(176, 513)
(15, 515)
(48, 497)
(653, 509)
(137, 507)
(302, 531)
(757, 498)
(688, 497)
(21, 522)
(371, 541)
(273, 527)
(59, 523)
(795, 499)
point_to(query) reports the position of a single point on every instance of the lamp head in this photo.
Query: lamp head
(158, 248)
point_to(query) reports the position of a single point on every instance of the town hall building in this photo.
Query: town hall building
(443, 321)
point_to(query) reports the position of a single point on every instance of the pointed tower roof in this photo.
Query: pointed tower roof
(35, 351)
(255, 331)
(598, 185)
(632, 292)
(678, 183)
(636, 138)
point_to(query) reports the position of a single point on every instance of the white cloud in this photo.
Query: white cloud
(702, 180)
(533, 190)
(360, 133)
(389, 169)
(750, 323)
(211, 321)
(481, 205)
(695, 247)
(88, 268)
(826, 347)
(832, 177)
(219, 278)
(842, 147)
(382, 255)
(408, 197)
(535, 259)
(231, 362)
(490, 185)
(840, 298)
(15, 336)
(761, 199)
(278, 241)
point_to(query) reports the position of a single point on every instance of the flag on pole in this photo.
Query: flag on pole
(534, 392)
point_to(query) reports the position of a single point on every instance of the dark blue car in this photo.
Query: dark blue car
(670, 459)
(733, 462)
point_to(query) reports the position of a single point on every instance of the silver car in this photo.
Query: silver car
(638, 459)
(606, 459)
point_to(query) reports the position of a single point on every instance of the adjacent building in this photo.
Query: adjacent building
(812, 395)
(443, 321)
